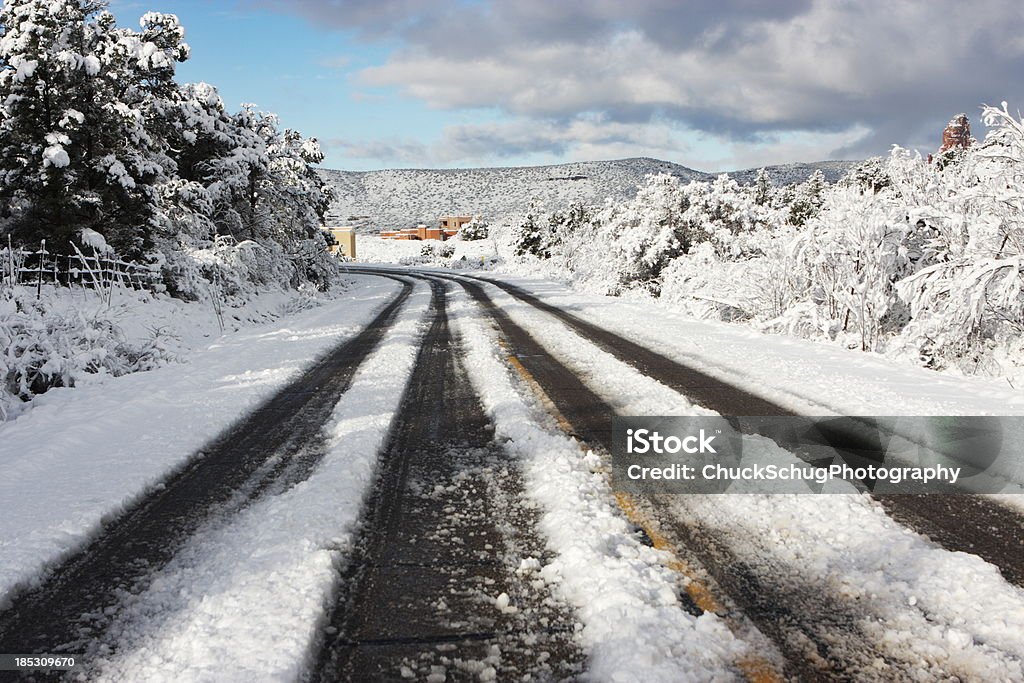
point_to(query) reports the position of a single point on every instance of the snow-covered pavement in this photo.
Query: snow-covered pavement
(633, 624)
(872, 551)
(923, 607)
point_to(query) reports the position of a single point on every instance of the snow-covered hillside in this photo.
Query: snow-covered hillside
(791, 174)
(403, 197)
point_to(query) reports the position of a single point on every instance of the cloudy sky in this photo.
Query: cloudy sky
(711, 84)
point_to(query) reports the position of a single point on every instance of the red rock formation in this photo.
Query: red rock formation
(957, 134)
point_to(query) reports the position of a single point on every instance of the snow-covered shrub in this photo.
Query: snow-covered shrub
(757, 287)
(902, 256)
(805, 200)
(476, 229)
(43, 347)
(968, 295)
(532, 238)
(630, 246)
(848, 260)
(871, 175)
(436, 251)
(644, 235)
(707, 286)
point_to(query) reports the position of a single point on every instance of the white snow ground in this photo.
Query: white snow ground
(372, 249)
(79, 456)
(81, 325)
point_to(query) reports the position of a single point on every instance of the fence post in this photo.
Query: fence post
(39, 270)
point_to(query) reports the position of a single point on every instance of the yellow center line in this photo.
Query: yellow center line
(755, 669)
(563, 424)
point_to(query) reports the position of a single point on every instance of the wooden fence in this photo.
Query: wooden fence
(102, 272)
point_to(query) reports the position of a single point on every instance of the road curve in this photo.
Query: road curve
(816, 631)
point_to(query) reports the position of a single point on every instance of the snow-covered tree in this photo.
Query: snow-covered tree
(47, 61)
(850, 256)
(871, 175)
(97, 135)
(807, 198)
(969, 291)
(764, 189)
(80, 120)
(532, 238)
(644, 235)
(902, 256)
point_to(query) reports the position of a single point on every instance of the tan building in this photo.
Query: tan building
(345, 241)
(420, 232)
(450, 225)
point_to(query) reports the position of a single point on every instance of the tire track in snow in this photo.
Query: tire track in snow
(590, 417)
(78, 599)
(441, 584)
(637, 624)
(251, 589)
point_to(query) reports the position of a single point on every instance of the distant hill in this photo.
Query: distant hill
(788, 174)
(398, 198)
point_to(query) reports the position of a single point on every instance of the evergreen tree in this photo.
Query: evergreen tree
(869, 176)
(764, 189)
(476, 229)
(807, 198)
(79, 121)
(46, 69)
(95, 133)
(530, 238)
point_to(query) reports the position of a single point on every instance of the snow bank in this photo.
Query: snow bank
(464, 254)
(70, 336)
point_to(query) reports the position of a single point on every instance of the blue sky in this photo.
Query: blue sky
(286, 65)
(711, 84)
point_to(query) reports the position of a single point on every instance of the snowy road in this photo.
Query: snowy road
(430, 501)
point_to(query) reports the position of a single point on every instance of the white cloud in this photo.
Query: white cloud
(863, 74)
